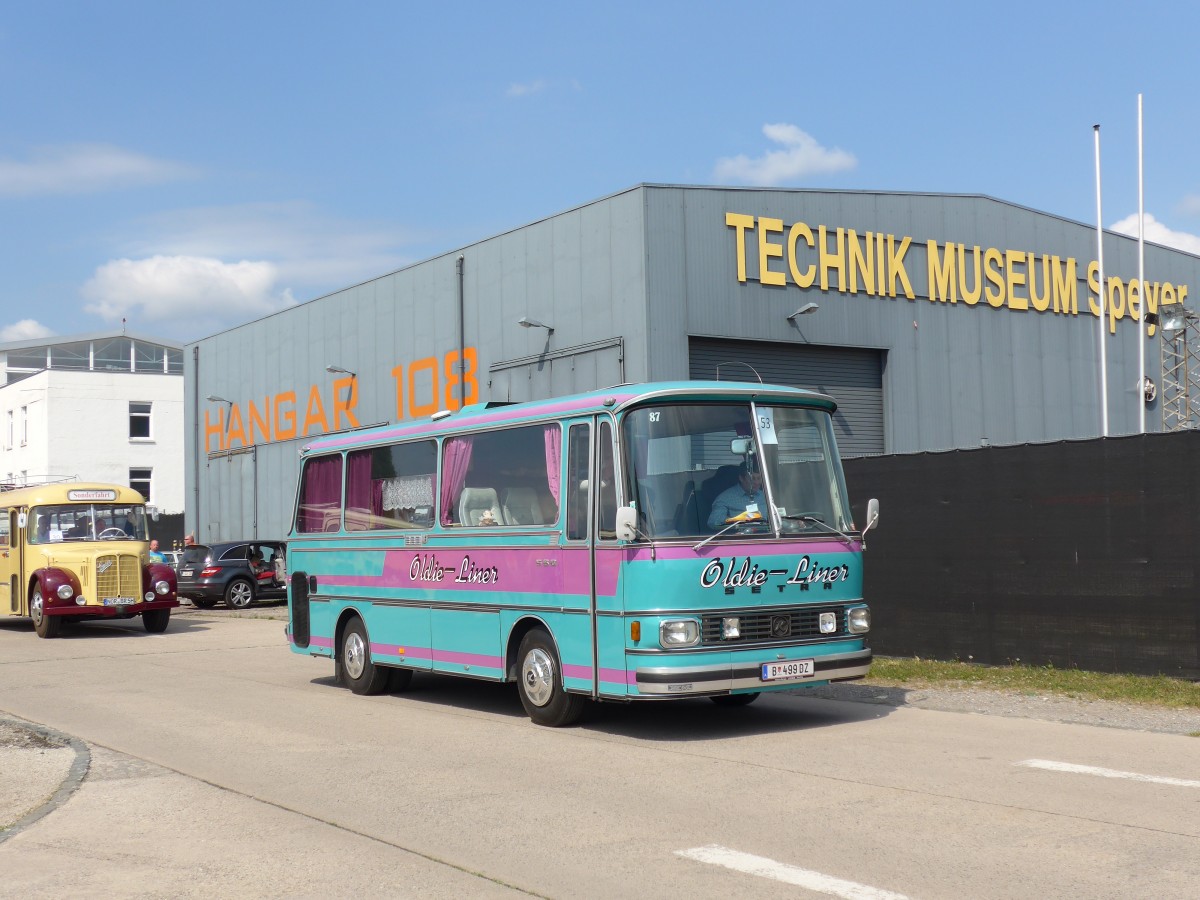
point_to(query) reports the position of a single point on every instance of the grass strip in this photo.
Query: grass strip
(1147, 690)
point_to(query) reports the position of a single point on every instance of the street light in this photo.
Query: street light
(526, 322)
(338, 370)
(805, 310)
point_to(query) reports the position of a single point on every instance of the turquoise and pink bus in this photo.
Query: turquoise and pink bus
(644, 542)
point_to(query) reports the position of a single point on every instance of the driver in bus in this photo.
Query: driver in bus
(739, 498)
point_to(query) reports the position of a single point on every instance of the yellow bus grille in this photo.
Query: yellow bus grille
(118, 576)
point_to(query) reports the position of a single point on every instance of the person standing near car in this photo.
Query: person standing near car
(156, 555)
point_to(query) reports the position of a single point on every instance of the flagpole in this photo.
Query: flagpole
(1103, 296)
(1141, 327)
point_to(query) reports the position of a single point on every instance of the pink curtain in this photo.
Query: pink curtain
(553, 459)
(358, 489)
(320, 492)
(456, 459)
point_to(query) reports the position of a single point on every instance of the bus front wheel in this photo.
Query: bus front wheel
(354, 663)
(156, 620)
(45, 626)
(539, 681)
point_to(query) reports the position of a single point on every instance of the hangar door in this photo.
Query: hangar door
(852, 376)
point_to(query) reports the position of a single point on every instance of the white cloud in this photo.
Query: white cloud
(1190, 205)
(311, 252)
(524, 90)
(25, 330)
(165, 288)
(84, 168)
(1159, 233)
(802, 156)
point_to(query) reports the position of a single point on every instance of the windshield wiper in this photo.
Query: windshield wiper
(821, 522)
(712, 537)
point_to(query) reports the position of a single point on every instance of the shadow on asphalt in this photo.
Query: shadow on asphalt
(697, 719)
(99, 629)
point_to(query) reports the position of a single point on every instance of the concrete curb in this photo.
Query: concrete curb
(75, 775)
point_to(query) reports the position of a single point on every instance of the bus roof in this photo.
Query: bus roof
(70, 492)
(613, 399)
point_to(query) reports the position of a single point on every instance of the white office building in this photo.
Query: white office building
(95, 407)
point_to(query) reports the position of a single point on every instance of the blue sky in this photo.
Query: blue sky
(191, 166)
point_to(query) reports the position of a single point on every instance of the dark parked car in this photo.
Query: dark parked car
(238, 572)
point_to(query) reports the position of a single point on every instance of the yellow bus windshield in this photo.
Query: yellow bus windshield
(87, 522)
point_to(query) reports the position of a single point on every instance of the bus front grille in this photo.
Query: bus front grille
(772, 626)
(118, 576)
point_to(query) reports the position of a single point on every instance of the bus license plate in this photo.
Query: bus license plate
(120, 601)
(788, 670)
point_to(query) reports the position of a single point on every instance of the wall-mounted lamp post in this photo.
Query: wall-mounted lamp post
(526, 322)
(338, 370)
(213, 398)
(805, 310)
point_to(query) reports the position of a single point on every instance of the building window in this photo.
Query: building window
(139, 480)
(139, 419)
(24, 425)
(8, 442)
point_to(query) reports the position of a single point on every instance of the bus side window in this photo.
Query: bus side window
(4, 520)
(578, 445)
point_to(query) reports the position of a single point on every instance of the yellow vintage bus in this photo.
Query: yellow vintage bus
(80, 551)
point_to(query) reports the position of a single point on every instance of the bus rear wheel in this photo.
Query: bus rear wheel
(354, 662)
(540, 684)
(45, 626)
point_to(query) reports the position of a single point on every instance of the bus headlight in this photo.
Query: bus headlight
(858, 619)
(679, 633)
(162, 587)
(65, 592)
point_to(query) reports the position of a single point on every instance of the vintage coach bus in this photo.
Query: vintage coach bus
(645, 542)
(78, 551)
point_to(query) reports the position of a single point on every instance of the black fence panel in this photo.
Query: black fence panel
(1080, 554)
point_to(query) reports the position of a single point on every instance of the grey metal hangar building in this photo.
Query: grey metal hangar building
(937, 322)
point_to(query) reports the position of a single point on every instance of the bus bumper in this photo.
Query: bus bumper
(95, 610)
(745, 675)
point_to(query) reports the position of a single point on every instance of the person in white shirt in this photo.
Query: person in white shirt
(738, 498)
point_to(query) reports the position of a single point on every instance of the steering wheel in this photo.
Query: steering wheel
(111, 534)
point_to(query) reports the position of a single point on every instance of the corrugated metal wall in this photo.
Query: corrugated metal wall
(853, 377)
(627, 281)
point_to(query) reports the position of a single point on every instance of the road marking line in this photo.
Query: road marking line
(1105, 773)
(717, 855)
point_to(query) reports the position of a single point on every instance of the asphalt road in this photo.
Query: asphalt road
(220, 764)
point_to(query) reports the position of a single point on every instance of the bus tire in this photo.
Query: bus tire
(354, 662)
(156, 620)
(45, 626)
(540, 683)
(731, 700)
(239, 594)
(399, 680)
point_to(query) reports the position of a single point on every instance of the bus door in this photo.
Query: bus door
(607, 558)
(12, 598)
(577, 643)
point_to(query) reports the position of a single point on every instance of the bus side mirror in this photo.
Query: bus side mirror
(22, 520)
(872, 515)
(626, 523)
(152, 512)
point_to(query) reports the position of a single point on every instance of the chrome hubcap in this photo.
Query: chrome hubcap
(35, 607)
(240, 595)
(355, 653)
(537, 675)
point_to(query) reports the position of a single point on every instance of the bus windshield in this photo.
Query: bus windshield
(87, 522)
(699, 468)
